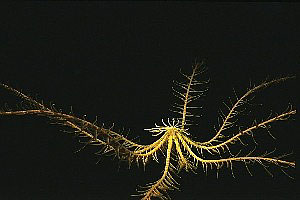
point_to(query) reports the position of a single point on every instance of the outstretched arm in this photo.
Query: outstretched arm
(227, 121)
(249, 131)
(94, 134)
(166, 182)
(188, 93)
(218, 163)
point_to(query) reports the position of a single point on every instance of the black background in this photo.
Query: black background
(117, 61)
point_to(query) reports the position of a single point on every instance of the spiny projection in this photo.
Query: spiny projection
(174, 143)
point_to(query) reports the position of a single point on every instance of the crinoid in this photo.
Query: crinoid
(174, 142)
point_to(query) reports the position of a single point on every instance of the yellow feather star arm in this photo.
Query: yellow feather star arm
(236, 137)
(166, 182)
